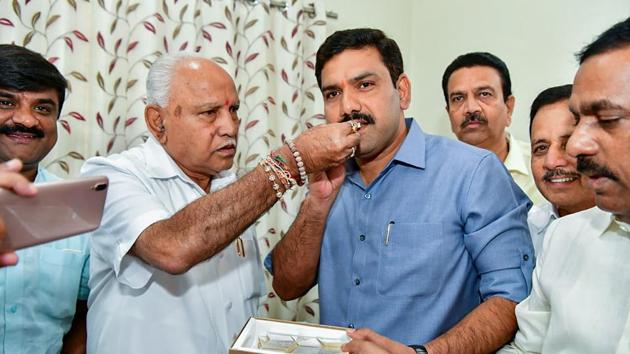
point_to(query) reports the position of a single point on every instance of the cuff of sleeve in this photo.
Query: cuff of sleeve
(132, 271)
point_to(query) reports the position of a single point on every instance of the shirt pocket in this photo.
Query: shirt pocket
(59, 279)
(409, 265)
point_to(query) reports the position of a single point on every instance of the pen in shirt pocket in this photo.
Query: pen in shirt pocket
(388, 231)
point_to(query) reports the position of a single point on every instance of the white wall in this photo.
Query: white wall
(536, 38)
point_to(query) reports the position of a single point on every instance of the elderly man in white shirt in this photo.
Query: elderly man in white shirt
(175, 267)
(555, 173)
(580, 300)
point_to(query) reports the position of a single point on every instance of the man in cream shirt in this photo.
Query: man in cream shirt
(479, 102)
(580, 300)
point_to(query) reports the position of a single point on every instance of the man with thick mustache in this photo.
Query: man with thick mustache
(421, 238)
(580, 300)
(175, 265)
(555, 174)
(43, 297)
(478, 93)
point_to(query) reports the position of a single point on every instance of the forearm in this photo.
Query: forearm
(296, 256)
(206, 226)
(484, 330)
(74, 342)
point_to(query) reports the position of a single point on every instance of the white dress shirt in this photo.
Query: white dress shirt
(538, 219)
(580, 300)
(137, 308)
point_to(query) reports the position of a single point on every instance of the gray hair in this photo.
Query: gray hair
(160, 75)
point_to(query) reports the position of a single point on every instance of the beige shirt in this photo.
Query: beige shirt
(518, 163)
(580, 299)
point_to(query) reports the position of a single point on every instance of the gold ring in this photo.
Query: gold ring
(354, 125)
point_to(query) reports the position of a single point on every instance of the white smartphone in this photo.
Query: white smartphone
(59, 209)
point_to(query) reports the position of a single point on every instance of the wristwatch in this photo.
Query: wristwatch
(420, 349)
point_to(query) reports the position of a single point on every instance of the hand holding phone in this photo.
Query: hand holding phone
(59, 209)
(11, 179)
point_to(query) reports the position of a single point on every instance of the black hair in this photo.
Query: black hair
(616, 37)
(546, 97)
(22, 69)
(470, 60)
(356, 39)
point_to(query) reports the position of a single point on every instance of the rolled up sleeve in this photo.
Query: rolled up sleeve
(496, 232)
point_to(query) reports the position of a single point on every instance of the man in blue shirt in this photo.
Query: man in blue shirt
(39, 296)
(420, 238)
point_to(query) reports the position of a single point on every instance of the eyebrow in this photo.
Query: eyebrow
(6, 94)
(590, 108)
(352, 80)
(538, 141)
(46, 101)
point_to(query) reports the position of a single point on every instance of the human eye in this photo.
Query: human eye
(43, 109)
(331, 94)
(540, 149)
(485, 93)
(363, 85)
(457, 98)
(6, 103)
(234, 108)
(209, 114)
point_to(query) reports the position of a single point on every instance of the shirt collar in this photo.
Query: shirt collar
(515, 159)
(160, 165)
(411, 152)
(413, 149)
(623, 226)
(541, 216)
(43, 175)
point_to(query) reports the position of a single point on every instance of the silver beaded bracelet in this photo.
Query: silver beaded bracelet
(298, 161)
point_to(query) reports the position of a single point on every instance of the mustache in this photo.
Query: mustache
(368, 118)
(228, 142)
(558, 172)
(19, 128)
(587, 166)
(473, 117)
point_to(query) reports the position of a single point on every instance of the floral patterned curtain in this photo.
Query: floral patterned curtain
(105, 47)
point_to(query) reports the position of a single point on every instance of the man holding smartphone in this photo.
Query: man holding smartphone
(44, 295)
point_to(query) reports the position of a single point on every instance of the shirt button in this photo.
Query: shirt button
(357, 281)
(13, 309)
(367, 196)
(351, 325)
(362, 237)
(525, 258)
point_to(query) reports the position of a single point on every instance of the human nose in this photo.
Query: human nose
(23, 115)
(472, 106)
(349, 104)
(228, 124)
(555, 157)
(582, 140)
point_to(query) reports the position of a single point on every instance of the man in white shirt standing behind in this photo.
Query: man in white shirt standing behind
(176, 266)
(580, 300)
(555, 173)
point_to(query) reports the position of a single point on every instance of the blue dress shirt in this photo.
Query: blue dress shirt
(38, 296)
(441, 229)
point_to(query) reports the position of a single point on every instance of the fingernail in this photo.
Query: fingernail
(12, 164)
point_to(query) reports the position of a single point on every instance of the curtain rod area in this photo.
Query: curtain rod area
(310, 9)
